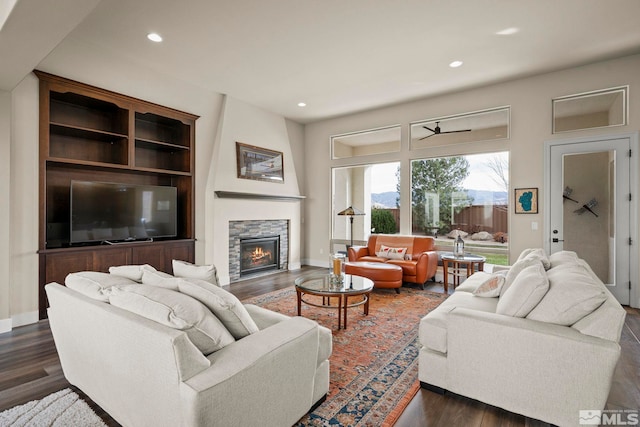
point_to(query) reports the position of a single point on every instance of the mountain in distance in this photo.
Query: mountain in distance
(384, 200)
(486, 197)
(479, 197)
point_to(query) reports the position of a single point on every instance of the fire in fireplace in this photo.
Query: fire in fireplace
(259, 254)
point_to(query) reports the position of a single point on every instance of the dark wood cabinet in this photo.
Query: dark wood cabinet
(91, 134)
(55, 264)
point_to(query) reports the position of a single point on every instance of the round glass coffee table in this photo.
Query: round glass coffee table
(469, 261)
(324, 286)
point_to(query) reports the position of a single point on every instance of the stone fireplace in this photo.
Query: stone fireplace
(257, 246)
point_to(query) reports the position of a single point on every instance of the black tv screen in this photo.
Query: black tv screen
(109, 212)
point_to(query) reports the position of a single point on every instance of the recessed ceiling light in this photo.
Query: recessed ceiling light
(154, 37)
(508, 31)
(302, 104)
(455, 64)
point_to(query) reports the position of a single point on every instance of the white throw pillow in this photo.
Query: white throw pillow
(175, 310)
(223, 304)
(526, 291)
(572, 295)
(515, 270)
(133, 272)
(95, 284)
(536, 253)
(158, 278)
(392, 253)
(491, 286)
(563, 258)
(187, 270)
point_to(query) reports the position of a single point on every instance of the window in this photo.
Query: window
(375, 141)
(485, 125)
(372, 189)
(465, 194)
(595, 109)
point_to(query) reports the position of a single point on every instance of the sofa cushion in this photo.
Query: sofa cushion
(563, 258)
(526, 291)
(187, 270)
(175, 310)
(409, 268)
(536, 253)
(133, 272)
(223, 304)
(515, 270)
(572, 295)
(159, 278)
(369, 258)
(433, 326)
(94, 284)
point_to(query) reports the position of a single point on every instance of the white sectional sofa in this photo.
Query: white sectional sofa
(141, 356)
(545, 347)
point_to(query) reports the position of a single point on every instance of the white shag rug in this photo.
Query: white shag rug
(61, 409)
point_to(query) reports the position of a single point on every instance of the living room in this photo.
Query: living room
(227, 117)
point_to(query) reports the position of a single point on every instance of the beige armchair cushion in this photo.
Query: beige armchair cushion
(159, 278)
(526, 291)
(536, 253)
(516, 269)
(175, 310)
(133, 272)
(187, 270)
(94, 284)
(572, 295)
(223, 304)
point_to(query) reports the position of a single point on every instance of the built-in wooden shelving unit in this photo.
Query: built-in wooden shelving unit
(91, 134)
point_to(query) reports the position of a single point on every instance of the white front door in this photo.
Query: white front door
(589, 207)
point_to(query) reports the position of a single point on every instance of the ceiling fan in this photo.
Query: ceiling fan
(438, 131)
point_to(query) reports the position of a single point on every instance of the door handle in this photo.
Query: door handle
(556, 240)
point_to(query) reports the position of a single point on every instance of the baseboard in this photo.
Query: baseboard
(432, 388)
(316, 263)
(5, 325)
(25, 318)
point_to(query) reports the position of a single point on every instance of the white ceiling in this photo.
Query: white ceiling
(338, 56)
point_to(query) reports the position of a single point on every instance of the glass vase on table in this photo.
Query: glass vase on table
(336, 268)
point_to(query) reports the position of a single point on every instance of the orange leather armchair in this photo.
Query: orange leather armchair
(419, 264)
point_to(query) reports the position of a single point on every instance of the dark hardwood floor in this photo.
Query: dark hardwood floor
(30, 369)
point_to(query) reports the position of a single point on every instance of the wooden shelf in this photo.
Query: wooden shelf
(91, 134)
(81, 132)
(162, 145)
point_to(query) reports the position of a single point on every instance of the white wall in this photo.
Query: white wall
(24, 203)
(530, 101)
(5, 195)
(244, 123)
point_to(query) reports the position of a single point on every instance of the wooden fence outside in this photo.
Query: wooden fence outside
(472, 219)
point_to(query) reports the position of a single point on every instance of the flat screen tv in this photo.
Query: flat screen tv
(110, 212)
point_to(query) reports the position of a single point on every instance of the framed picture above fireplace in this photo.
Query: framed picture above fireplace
(259, 163)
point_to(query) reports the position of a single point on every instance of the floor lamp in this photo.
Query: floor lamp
(351, 212)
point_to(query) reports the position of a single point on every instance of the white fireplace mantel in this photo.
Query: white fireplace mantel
(238, 195)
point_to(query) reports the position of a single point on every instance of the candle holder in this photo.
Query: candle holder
(336, 271)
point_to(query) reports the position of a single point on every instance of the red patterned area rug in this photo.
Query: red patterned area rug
(374, 365)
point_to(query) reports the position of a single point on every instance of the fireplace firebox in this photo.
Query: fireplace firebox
(259, 254)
